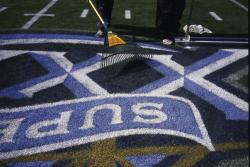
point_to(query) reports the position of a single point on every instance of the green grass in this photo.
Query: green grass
(13, 17)
(244, 81)
(235, 20)
(244, 2)
(67, 16)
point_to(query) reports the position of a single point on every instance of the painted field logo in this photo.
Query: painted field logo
(93, 119)
(58, 97)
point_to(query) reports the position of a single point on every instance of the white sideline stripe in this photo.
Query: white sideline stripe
(33, 14)
(240, 5)
(215, 16)
(3, 9)
(84, 13)
(38, 15)
(127, 14)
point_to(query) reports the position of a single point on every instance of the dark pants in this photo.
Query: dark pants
(168, 16)
(105, 9)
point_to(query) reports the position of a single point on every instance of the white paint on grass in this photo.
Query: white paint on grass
(84, 13)
(45, 40)
(29, 92)
(127, 14)
(198, 78)
(168, 88)
(33, 14)
(82, 76)
(203, 140)
(240, 5)
(215, 16)
(3, 9)
(38, 15)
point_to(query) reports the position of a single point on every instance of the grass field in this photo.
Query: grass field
(66, 16)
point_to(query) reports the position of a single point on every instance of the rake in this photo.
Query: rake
(117, 52)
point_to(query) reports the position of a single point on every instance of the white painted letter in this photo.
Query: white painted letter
(159, 115)
(61, 126)
(8, 132)
(116, 119)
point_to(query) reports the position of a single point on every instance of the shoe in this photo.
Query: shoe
(167, 38)
(99, 33)
(168, 42)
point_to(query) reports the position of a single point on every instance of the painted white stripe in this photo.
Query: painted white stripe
(240, 5)
(3, 9)
(99, 137)
(166, 60)
(92, 86)
(214, 42)
(35, 41)
(237, 55)
(149, 46)
(166, 89)
(84, 13)
(60, 59)
(198, 77)
(36, 17)
(6, 54)
(29, 92)
(127, 14)
(215, 16)
(33, 14)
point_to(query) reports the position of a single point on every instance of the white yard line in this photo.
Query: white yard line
(3, 9)
(240, 5)
(38, 15)
(33, 14)
(84, 13)
(215, 16)
(127, 14)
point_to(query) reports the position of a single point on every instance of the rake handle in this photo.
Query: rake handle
(97, 13)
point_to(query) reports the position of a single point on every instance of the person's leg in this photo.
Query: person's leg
(105, 9)
(163, 16)
(167, 19)
(178, 8)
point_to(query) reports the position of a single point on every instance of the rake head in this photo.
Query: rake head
(117, 53)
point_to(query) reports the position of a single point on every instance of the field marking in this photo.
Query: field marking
(240, 5)
(215, 16)
(127, 14)
(33, 14)
(38, 15)
(84, 13)
(30, 91)
(3, 9)
(233, 79)
(199, 78)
